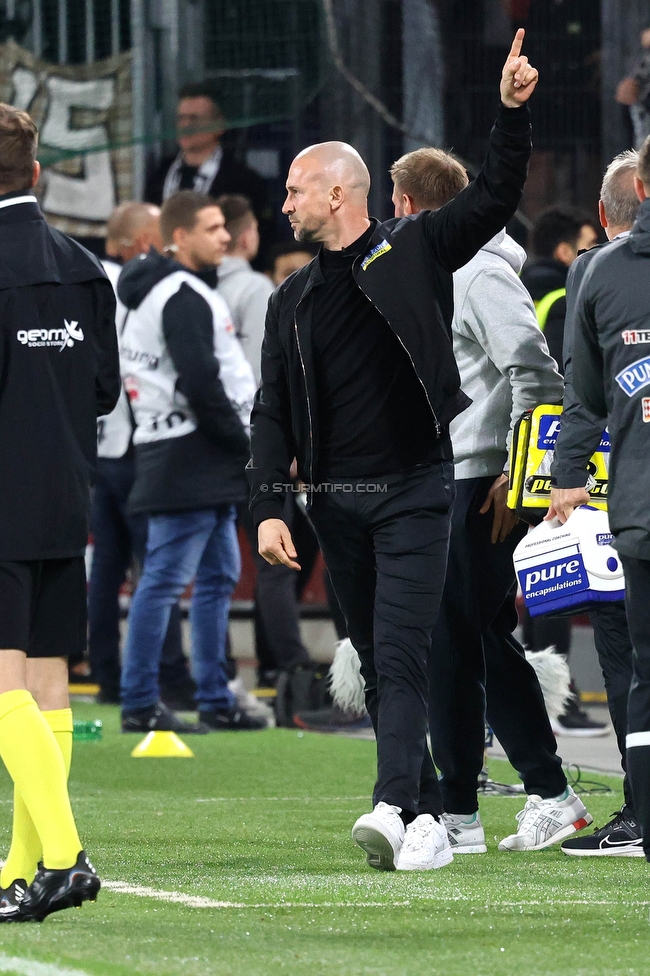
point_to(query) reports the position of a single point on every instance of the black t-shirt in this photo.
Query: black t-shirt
(373, 413)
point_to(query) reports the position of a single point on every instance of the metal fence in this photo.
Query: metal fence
(434, 64)
(69, 31)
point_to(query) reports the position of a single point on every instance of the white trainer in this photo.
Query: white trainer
(545, 822)
(466, 834)
(426, 845)
(381, 835)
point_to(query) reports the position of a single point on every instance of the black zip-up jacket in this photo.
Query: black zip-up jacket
(59, 371)
(611, 374)
(407, 275)
(233, 176)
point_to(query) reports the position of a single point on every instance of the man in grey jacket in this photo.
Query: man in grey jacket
(611, 375)
(506, 369)
(579, 437)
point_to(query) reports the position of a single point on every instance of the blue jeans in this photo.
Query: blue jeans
(181, 547)
(118, 537)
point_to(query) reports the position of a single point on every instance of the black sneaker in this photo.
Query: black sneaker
(10, 901)
(158, 718)
(621, 837)
(575, 721)
(332, 719)
(232, 720)
(179, 696)
(267, 677)
(53, 890)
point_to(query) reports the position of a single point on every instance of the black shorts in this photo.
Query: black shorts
(43, 607)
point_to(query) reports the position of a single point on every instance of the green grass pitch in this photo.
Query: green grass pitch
(260, 823)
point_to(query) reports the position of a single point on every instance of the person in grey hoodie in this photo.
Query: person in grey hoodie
(506, 369)
(245, 292)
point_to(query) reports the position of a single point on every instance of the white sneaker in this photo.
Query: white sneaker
(249, 703)
(545, 822)
(381, 835)
(426, 845)
(466, 834)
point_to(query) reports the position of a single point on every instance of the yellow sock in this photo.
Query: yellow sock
(26, 848)
(34, 761)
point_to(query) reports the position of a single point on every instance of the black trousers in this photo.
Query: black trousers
(475, 655)
(385, 544)
(637, 602)
(542, 632)
(118, 538)
(614, 648)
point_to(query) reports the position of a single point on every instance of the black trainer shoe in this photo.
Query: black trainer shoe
(267, 677)
(158, 718)
(10, 901)
(53, 890)
(179, 696)
(232, 720)
(332, 719)
(575, 721)
(621, 837)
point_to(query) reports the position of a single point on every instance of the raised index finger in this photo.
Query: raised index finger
(515, 50)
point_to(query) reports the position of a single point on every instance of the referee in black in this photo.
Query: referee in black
(359, 383)
(59, 369)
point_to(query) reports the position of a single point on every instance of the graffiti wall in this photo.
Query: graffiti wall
(78, 109)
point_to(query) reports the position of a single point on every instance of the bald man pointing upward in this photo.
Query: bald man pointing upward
(359, 383)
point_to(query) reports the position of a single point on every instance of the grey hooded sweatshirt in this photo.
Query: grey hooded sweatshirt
(502, 356)
(246, 293)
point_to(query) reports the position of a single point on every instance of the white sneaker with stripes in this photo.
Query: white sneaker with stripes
(466, 834)
(546, 822)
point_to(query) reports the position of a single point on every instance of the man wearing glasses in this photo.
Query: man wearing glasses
(202, 164)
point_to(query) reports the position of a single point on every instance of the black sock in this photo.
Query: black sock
(407, 817)
(433, 809)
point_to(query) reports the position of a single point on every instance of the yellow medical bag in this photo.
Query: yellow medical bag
(531, 455)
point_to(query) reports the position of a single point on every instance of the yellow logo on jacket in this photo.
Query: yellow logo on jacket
(375, 253)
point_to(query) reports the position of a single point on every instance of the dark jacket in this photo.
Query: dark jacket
(59, 371)
(541, 278)
(407, 275)
(232, 177)
(581, 431)
(204, 468)
(611, 374)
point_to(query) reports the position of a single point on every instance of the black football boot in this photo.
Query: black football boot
(53, 889)
(10, 901)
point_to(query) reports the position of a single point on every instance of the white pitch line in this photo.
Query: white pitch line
(29, 967)
(198, 901)
(276, 799)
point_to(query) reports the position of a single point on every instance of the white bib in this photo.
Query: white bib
(160, 410)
